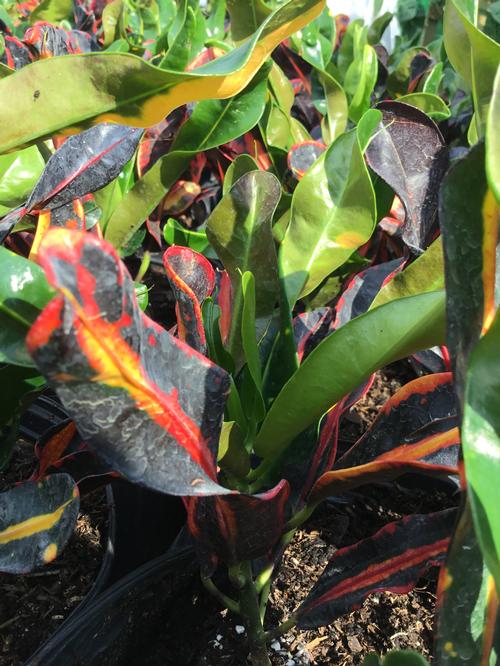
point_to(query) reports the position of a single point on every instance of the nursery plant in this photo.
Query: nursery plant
(310, 197)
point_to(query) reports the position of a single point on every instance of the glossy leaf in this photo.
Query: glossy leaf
(432, 105)
(356, 350)
(393, 559)
(237, 528)
(175, 234)
(359, 82)
(408, 153)
(84, 163)
(333, 213)
(493, 140)
(117, 373)
(212, 123)
(481, 443)
(361, 290)
(460, 213)
(309, 328)
(473, 54)
(239, 230)
(241, 165)
(468, 624)
(36, 520)
(423, 275)
(20, 172)
(192, 279)
(416, 431)
(337, 108)
(52, 11)
(302, 156)
(24, 292)
(246, 17)
(123, 88)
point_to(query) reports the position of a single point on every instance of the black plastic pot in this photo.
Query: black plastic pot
(113, 630)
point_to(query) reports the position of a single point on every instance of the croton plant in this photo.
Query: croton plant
(317, 208)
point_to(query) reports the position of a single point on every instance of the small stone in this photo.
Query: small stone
(239, 629)
(276, 646)
(219, 637)
(354, 644)
(290, 662)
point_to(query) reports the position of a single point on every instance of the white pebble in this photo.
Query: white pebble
(276, 646)
(219, 637)
(239, 629)
(290, 662)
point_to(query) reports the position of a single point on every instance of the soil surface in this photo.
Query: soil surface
(32, 606)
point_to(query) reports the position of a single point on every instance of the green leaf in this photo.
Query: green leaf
(175, 234)
(493, 140)
(111, 16)
(77, 90)
(481, 443)
(24, 292)
(241, 165)
(215, 22)
(239, 230)
(433, 80)
(461, 200)
(473, 54)
(232, 455)
(186, 44)
(345, 359)
(466, 631)
(425, 274)
(142, 295)
(432, 105)
(246, 17)
(353, 41)
(249, 340)
(51, 11)
(212, 123)
(251, 392)
(359, 82)
(333, 212)
(378, 27)
(335, 121)
(19, 174)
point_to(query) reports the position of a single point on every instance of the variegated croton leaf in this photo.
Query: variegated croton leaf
(192, 279)
(36, 520)
(238, 527)
(145, 402)
(416, 431)
(393, 559)
(84, 163)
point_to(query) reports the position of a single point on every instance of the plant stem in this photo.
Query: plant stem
(249, 605)
(282, 629)
(226, 601)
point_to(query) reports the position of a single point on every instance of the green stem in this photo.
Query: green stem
(250, 609)
(282, 629)
(264, 597)
(226, 601)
